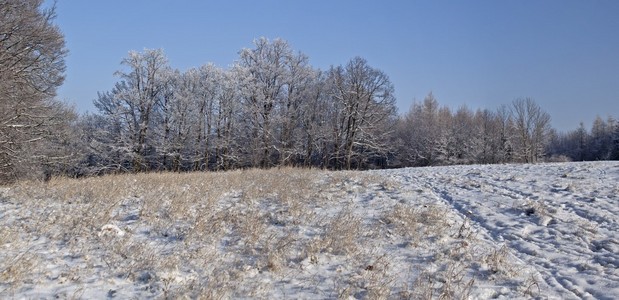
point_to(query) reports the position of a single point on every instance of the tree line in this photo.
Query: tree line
(269, 108)
(272, 108)
(519, 132)
(601, 142)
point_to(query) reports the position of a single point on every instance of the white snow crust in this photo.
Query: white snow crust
(544, 231)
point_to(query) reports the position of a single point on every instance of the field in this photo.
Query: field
(547, 231)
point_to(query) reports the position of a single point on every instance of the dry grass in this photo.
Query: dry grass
(417, 223)
(211, 235)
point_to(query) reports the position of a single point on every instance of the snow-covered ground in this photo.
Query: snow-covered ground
(548, 231)
(561, 220)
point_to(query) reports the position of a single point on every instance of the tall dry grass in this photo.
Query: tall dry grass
(211, 235)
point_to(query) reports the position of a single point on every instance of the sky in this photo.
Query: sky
(563, 54)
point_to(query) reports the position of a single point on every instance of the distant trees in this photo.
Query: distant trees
(601, 143)
(33, 126)
(601, 140)
(432, 135)
(419, 133)
(429, 134)
(493, 139)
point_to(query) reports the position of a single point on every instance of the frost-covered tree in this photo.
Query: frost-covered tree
(280, 82)
(134, 102)
(267, 66)
(601, 139)
(317, 112)
(506, 125)
(298, 90)
(423, 140)
(111, 133)
(466, 141)
(195, 107)
(228, 117)
(169, 129)
(580, 144)
(432, 135)
(614, 151)
(33, 125)
(363, 110)
(489, 148)
(531, 129)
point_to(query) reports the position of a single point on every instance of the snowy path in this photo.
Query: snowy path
(561, 219)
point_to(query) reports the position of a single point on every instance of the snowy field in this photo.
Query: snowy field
(547, 231)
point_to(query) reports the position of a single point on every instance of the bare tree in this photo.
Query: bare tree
(364, 105)
(199, 89)
(298, 89)
(423, 133)
(169, 128)
(489, 124)
(266, 64)
(32, 53)
(614, 147)
(279, 82)
(531, 125)
(601, 139)
(466, 137)
(316, 110)
(135, 100)
(228, 118)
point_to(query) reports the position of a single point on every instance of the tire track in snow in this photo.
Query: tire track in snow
(556, 251)
(523, 253)
(434, 184)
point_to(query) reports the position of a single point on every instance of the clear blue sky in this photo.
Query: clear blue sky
(562, 53)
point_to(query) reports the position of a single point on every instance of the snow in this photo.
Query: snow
(112, 229)
(547, 231)
(560, 219)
